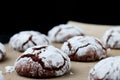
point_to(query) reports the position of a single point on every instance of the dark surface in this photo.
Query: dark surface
(43, 16)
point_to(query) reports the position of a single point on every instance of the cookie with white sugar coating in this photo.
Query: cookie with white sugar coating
(84, 48)
(2, 51)
(42, 62)
(106, 69)
(111, 38)
(63, 32)
(25, 39)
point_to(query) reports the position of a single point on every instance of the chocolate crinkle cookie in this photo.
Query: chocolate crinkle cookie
(25, 39)
(106, 69)
(42, 62)
(84, 48)
(2, 51)
(111, 38)
(63, 32)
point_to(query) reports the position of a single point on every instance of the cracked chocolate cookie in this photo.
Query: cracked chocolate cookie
(84, 48)
(106, 69)
(111, 38)
(25, 39)
(63, 32)
(42, 62)
(2, 51)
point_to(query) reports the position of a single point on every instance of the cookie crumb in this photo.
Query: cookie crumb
(71, 73)
(9, 69)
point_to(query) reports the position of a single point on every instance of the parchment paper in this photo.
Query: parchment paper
(79, 70)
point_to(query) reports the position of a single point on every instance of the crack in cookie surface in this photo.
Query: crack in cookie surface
(84, 48)
(58, 32)
(29, 39)
(69, 46)
(45, 66)
(35, 58)
(2, 55)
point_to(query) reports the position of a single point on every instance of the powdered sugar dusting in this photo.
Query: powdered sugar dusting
(47, 56)
(61, 32)
(111, 38)
(1, 76)
(9, 69)
(22, 61)
(106, 69)
(25, 39)
(83, 44)
(2, 51)
(2, 48)
(71, 73)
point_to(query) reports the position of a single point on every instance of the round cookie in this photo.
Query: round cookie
(42, 62)
(63, 32)
(2, 51)
(106, 69)
(84, 48)
(25, 39)
(111, 38)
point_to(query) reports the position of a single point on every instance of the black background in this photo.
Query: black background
(42, 16)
